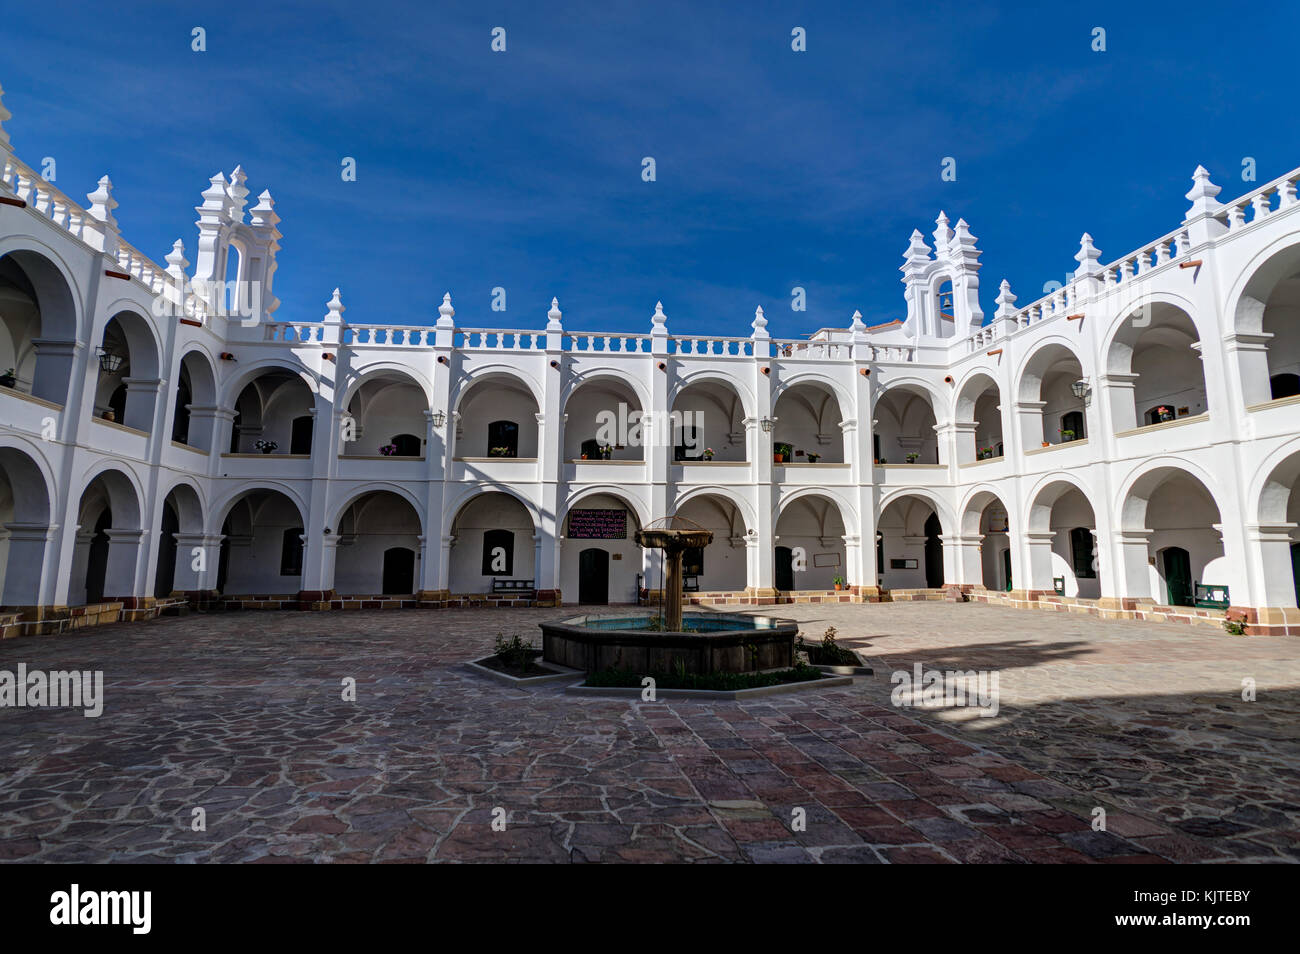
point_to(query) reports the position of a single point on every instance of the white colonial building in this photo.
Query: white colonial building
(1128, 445)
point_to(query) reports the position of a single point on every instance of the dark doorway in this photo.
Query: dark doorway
(784, 569)
(118, 403)
(234, 434)
(300, 436)
(181, 417)
(97, 559)
(1006, 567)
(933, 553)
(1072, 424)
(503, 439)
(165, 577)
(1284, 385)
(590, 449)
(1177, 565)
(408, 445)
(688, 444)
(223, 558)
(1295, 569)
(593, 576)
(399, 571)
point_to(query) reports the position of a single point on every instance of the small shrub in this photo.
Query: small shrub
(514, 652)
(1235, 627)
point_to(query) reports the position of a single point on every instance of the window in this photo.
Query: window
(503, 439)
(300, 436)
(1072, 426)
(1081, 553)
(693, 561)
(498, 553)
(291, 552)
(408, 445)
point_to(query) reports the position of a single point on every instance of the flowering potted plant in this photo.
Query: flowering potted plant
(606, 451)
(8, 379)
(1164, 414)
(388, 450)
(839, 582)
(505, 452)
(814, 458)
(266, 446)
(986, 453)
(708, 453)
(912, 457)
(1067, 435)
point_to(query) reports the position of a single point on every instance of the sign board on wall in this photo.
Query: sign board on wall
(597, 525)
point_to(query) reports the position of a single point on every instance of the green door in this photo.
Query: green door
(1178, 576)
(1006, 566)
(1295, 569)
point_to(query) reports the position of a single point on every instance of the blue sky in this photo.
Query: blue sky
(775, 169)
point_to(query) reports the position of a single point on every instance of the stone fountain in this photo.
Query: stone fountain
(701, 642)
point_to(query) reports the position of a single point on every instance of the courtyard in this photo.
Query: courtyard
(243, 715)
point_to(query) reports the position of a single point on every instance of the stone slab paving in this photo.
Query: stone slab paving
(242, 715)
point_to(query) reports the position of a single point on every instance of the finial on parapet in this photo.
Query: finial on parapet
(917, 254)
(1088, 258)
(1005, 300)
(659, 318)
(759, 324)
(334, 316)
(4, 114)
(445, 312)
(857, 326)
(102, 202)
(176, 262)
(553, 316)
(238, 193)
(1202, 194)
(942, 235)
(263, 214)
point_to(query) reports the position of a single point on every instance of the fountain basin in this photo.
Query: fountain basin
(721, 642)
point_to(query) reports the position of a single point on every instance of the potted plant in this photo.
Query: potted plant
(814, 458)
(8, 379)
(708, 453)
(839, 582)
(110, 415)
(1047, 443)
(388, 450)
(1067, 435)
(912, 457)
(1164, 414)
(607, 452)
(266, 446)
(986, 453)
(782, 452)
(505, 452)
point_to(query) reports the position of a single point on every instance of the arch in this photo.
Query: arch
(707, 411)
(910, 540)
(189, 503)
(385, 403)
(913, 383)
(906, 418)
(964, 399)
(1039, 360)
(808, 423)
(234, 387)
(937, 503)
(1148, 475)
(31, 482)
(818, 535)
(725, 563)
(604, 409)
(581, 378)
(482, 374)
(383, 371)
(380, 531)
(991, 562)
(973, 507)
(26, 498)
(40, 303)
(221, 510)
(1045, 493)
(1148, 306)
(742, 505)
(1264, 308)
(261, 412)
(1271, 486)
(381, 487)
(468, 493)
(478, 407)
(123, 493)
(843, 396)
(479, 550)
(848, 512)
(692, 377)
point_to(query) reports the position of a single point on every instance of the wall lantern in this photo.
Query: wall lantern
(108, 361)
(439, 418)
(766, 425)
(1081, 389)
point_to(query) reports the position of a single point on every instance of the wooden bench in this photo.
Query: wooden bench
(513, 588)
(1210, 596)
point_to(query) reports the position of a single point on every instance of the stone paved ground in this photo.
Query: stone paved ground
(240, 714)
